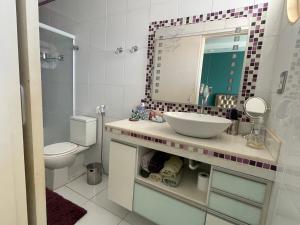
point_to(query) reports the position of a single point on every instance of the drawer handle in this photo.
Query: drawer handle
(235, 197)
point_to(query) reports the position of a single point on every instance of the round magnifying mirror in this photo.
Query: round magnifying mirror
(255, 107)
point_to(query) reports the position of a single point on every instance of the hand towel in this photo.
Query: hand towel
(157, 162)
(172, 167)
(144, 173)
(173, 181)
(155, 177)
(145, 160)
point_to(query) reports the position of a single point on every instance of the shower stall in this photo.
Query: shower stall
(58, 78)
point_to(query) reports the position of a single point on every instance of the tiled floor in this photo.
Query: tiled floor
(101, 211)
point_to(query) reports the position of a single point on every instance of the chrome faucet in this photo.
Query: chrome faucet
(204, 92)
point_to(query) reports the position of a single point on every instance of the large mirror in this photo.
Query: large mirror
(200, 64)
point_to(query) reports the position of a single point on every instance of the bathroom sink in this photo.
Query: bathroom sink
(196, 125)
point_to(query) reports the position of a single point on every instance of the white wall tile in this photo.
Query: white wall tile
(45, 15)
(163, 9)
(194, 7)
(68, 8)
(266, 71)
(82, 62)
(97, 66)
(116, 31)
(135, 68)
(137, 28)
(62, 22)
(114, 97)
(274, 17)
(98, 34)
(82, 98)
(132, 98)
(261, 1)
(97, 96)
(82, 33)
(116, 6)
(90, 9)
(138, 4)
(219, 5)
(115, 69)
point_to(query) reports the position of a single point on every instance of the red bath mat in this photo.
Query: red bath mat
(61, 211)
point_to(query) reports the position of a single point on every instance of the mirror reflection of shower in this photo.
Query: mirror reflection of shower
(46, 57)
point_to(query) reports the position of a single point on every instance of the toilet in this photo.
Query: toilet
(60, 156)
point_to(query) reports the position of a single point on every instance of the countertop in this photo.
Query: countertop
(227, 144)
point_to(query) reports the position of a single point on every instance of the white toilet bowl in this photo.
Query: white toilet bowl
(61, 155)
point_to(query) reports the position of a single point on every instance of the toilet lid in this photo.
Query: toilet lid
(59, 148)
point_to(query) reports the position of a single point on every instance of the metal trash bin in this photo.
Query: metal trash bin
(94, 173)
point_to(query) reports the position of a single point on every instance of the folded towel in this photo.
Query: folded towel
(156, 177)
(144, 173)
(145, 160)
(173, 181)
(172, 167)
(157, 162)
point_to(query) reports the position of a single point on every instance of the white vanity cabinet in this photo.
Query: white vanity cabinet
(214, 220)
(236, 194)
(122, 160)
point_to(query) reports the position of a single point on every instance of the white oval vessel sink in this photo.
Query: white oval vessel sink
(196, 125)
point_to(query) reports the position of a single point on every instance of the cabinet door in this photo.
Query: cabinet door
(122, 162)
(164, 210)
(213, 220)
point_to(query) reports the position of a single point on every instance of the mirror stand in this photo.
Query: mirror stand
(256, 109)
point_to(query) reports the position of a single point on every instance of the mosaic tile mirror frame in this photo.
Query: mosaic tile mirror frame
(256, 14)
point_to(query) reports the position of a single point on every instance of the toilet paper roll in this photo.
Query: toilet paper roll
(203, 179)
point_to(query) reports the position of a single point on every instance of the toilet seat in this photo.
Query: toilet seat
(60, 149)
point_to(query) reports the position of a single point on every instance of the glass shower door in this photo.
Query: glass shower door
(57, 85)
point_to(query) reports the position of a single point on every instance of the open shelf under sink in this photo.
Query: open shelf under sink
(187, 191)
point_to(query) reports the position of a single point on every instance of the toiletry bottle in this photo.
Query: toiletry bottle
(233, 115)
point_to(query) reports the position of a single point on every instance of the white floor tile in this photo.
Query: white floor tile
(124, 223)
(134, 219)
(72, 196)
(102, 200)
(97, 216)
(89, 191)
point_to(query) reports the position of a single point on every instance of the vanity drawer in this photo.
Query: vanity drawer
(213, 220)
(165, 210)
(236, 185)
(233, 208)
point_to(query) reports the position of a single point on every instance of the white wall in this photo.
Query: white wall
(285, 121)
(103, 25)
